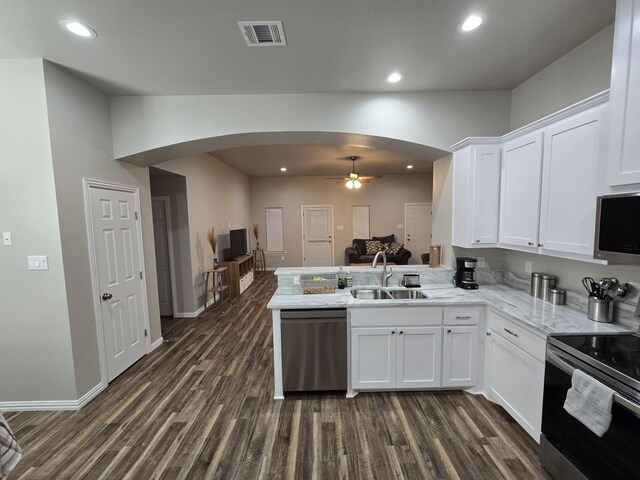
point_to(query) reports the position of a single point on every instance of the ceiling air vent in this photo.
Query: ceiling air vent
(262, 34)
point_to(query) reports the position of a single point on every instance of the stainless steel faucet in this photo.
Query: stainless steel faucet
(384, 277)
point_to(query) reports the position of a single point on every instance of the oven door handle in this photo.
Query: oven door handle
(555, 360)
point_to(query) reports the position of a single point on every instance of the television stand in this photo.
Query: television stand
(241, 273)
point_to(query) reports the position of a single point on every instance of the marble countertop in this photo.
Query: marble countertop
(515, 304)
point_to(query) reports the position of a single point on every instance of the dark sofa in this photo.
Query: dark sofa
(357, 252)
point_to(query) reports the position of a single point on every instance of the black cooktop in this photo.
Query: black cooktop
(620, 352)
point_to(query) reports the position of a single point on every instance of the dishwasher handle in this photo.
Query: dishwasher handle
(314, 314)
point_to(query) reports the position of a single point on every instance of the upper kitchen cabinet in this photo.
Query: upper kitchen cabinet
(520, 187)
(624, 140)
(476, 194)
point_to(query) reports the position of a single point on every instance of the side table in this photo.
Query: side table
(217, 285)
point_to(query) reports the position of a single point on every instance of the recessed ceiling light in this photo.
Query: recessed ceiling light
(409, 167)
(395, 77)
(283, 169)
(78, 29)
(470, 23)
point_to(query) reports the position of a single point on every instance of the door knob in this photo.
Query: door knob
(107, 296)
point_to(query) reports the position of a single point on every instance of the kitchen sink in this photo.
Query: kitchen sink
(408, 294)
(382, 294)
(371, 294)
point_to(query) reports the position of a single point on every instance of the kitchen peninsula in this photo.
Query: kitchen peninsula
(489, 341)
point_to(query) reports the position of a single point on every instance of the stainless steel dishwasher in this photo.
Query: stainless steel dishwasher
(314, 349)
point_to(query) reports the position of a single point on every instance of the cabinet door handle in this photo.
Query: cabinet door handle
(401, 332)
(393, 332)
(530, 243)
(540, 245)
(448, 331)
(463, 317)
(477, 241)
(510, 332)
(488, 334)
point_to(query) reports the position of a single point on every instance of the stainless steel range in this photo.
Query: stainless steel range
(568, 450)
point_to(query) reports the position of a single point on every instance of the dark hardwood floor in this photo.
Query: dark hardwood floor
(201, 406)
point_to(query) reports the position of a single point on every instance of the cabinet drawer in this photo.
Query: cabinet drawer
(462, 315)
(395, 316)
(518, 335)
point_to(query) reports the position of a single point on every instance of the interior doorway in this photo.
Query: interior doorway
(317, 235)
(417, 222)
(162, 234)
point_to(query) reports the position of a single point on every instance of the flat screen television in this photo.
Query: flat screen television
(238, 242)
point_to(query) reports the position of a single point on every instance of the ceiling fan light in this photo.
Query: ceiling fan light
(357, 184)
(350, 184)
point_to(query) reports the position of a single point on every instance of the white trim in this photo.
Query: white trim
(332, 229)
(45, 405)
(172, 268)
(95, 285)
(156, 344)
(581, 106)
(189, 314)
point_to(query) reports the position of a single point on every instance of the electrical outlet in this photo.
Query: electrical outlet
(282, 257)
(481, 263)
(527, 267)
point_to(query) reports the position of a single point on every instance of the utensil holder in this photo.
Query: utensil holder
(600, 310)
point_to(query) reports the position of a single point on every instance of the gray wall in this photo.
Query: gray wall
(386, 197)
(35, 342)
(581, 73)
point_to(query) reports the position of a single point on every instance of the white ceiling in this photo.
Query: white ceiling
(323, 160)
(195, 46)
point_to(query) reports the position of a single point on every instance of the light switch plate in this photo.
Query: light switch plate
(38, 262)
(6, 239)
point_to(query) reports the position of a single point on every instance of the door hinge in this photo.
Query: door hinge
(136, 215)
(146, 334)
(140, 275)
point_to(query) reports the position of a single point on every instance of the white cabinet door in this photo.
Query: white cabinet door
(419, 357)
(516, 382)
(624, 143)
(485, 185)
(476, 196)
(569, 188)
(373, 358)
(460, 356)
(520, 195)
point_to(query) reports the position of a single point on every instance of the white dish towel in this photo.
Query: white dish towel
(590, 402)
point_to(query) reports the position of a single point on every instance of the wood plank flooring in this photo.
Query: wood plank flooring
(201, 407)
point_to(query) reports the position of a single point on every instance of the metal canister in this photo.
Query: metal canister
(536, 283)
(600, 310)
(547, 282)
(557, 296)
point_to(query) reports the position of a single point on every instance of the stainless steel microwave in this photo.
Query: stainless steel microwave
(618, 228)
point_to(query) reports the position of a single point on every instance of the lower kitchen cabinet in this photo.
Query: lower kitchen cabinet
(460, 356)
(396, 357)
(515, 380)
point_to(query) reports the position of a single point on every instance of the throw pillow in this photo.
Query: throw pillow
(388, 239)
(392, 248)
(373, 247)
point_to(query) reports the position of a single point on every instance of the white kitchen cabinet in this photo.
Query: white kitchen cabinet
(396, 357)
(570, 184)
(476, 195)
(514, 371)
(460, 356)
(520, 191)
(373, 358)
(418, 360)
(624, 134)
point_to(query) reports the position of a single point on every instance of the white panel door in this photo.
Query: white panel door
(115, 233)
(516, 382)
(520, 192)
(418, 363)
(569, 184)
(360, 221)
(163, 265)
(373, 358)
(485, 199)
(417, 229)
(460, 356)
(317, 236)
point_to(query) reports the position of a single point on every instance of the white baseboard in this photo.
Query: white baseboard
(156, 344)
(189, 314)
(46, 405)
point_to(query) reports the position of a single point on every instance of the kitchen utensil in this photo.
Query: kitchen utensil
(622, 290)
(605, 284)
(588, 283)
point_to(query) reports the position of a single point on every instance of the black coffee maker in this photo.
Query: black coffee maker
(463, 278)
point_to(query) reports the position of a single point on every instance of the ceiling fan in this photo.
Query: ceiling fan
(354, 181)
